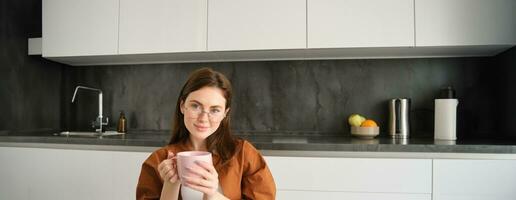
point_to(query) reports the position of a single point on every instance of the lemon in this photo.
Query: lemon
(356, 120)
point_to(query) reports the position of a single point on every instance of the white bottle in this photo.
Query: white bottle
(445, 121)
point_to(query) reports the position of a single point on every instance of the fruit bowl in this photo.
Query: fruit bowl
(365, 132)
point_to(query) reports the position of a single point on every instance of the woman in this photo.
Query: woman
(202, 123)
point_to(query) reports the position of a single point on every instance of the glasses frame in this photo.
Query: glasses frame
(197, 114)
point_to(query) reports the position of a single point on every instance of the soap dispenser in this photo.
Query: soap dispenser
(122, 123)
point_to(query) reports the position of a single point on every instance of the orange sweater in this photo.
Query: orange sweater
(246, 176)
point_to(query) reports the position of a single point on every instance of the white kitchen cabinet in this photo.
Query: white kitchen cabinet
(107, 32)
(359, 23)
(79, 27)
(162, 26)
(355, 178)
(126, 171)
(465, 22)
(33, 173)
(455, 179)
(256, 25)
(311, 195)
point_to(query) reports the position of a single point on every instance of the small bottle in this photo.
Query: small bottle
(122, 123)
(445, 121)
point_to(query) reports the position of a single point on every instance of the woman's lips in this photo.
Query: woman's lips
(201, 128)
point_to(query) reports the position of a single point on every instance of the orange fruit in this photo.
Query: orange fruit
(369, 123)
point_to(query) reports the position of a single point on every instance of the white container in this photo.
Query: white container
(445, 121)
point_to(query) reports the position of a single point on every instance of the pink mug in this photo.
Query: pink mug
(187, 159)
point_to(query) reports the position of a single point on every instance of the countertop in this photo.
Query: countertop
(276, 144)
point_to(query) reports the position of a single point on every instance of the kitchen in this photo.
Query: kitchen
(298, 73)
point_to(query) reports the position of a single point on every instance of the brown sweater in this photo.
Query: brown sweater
(246, 176)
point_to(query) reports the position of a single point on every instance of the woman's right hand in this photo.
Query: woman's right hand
(168, 169)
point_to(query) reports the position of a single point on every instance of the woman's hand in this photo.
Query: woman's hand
(168, 169)
(204, 178)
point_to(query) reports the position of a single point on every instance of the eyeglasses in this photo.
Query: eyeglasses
(195, 110)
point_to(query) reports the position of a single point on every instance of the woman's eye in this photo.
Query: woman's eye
(194, 106)
(215, 111)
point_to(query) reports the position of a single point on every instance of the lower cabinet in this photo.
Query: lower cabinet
(474, 179)
(34, 173)
(310, 195)
(351, 178)
(39, 173)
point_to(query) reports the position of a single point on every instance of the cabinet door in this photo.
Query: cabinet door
(254, 25)
(32, 173)
(358, 23)
(358, 175)
(310, 195)
(126, 171)
(79, 27)
(162, 26)
(465, 22)
(474, 179)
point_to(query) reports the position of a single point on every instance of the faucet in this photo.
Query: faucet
(98, 122)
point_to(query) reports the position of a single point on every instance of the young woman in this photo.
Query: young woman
(202, 123)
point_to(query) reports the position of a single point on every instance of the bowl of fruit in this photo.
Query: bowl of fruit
(362, 127)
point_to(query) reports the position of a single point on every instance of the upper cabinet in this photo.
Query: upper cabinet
(159, 26)
(79, 27)
(256, 25)
(359, 23)
(465, 22)
(105, 32)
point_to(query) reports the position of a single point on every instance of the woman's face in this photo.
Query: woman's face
(203, 111)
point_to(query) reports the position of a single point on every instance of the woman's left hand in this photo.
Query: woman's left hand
(205, 179)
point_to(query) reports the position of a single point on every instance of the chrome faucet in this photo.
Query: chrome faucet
(98, 122)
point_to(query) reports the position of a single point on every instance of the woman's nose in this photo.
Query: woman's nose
(203, 116)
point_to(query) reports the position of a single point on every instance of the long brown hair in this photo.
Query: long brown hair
(221, 142)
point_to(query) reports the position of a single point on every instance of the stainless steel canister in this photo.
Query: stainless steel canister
(399, 118)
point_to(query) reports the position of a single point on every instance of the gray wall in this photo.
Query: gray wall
(314, 97)
(30, 87)
(506, 90)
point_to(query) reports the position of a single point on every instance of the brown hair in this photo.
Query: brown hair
(221, 141)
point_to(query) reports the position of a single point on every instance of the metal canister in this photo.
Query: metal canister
(399, 118)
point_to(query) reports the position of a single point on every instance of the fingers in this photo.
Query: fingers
(164, 168)
(170, 161)
(198, 172)
(167, 168)
(174, 178)
(207, 166)
(165, 165)
(203, 172)
(191, 180)
(170, 154)
(168, 173)
(200, 184)
(199, 188)
(201, 177)
(171, 176)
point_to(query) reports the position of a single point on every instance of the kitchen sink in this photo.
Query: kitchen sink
(88, 134)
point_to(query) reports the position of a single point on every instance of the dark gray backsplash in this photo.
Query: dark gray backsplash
(294, 96)
(506, 89)
(30, 86)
